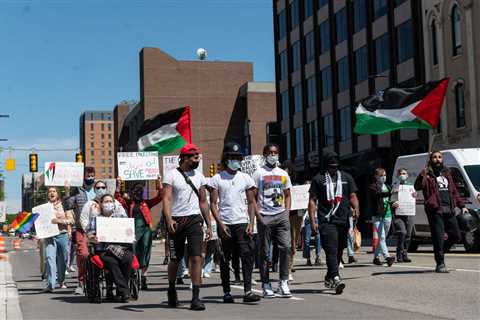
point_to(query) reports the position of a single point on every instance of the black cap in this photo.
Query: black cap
(232, 148)
(331, 159)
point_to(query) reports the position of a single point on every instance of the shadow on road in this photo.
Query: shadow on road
(313, 291)
(402, 272)
(139, 307)
(72, 299)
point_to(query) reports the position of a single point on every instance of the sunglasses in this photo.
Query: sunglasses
(100, 187)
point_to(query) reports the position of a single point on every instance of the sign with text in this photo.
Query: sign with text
(300, 197)
(251, 163)
(44, 228)
(3, 211)
(138, 165)
(115, 230)
(172, 162)
(406, 200)
(61, 173)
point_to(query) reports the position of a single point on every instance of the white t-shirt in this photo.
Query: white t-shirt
(184, 200)
(232, 196)
(271, 183)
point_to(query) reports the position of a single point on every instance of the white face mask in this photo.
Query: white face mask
(234, 165)
(108, 207)
(403, 177)
(382, 179)
(272, 160)
(100, 192)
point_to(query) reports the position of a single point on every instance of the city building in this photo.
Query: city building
(34, 191)
(96, 142)
(452, 40)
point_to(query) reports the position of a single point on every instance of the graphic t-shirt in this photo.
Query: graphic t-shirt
(386, 203)
(184, 200)
(232, 195)
(443, 191)
(271, 183)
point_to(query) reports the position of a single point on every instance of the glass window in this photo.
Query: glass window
(109, 152)
(324, 37)
(311, 91)
(460, 104)
(109, 127)
(287, 144)
(341, 23)
(379, 8)
(297, 97)
(299, 141)
(399, 2)
(91, 126)
(284, 105)
(460, 183)
(433, 35)
(343, 74)
(345, 124)
(456, 30)
(326, 83)
(103, 136)
(473, 172)
(312, 136)
(308, 8)
(382, 53)
(361, 64)
(91, 144)
(296, 56)
(404, 41)
(322, 3)
(110, 144)
(109, 136)
(283, 65)
(359, 14)
(92, 153)
(329, 137)
(282, 24)
(309, 47)
(294, 13)
(103, 126)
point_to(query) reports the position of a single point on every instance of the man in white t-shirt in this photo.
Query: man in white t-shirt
(184, 204)
(273, 202)
(231, 191)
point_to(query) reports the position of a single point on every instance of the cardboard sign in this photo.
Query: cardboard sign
(60, 173)
(3, 211)
(44, 228)
(172, 162)
(138, 166)
(250, 164)
(115, 230)
(300, 197)
(406, 200)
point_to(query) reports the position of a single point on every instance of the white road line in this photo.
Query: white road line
(431, 268)
(261, 293)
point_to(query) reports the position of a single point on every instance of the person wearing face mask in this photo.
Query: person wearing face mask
(232, 202)
(441, 198)
(379, 201)
(332, 201)
(139, 208)
(273, 210)
(92, 207)
(403, 224)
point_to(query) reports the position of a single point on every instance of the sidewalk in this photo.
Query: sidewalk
(9, 301)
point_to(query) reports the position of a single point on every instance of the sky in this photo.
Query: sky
(60, 58)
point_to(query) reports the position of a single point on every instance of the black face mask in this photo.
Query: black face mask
(195, 165)
(138, 194)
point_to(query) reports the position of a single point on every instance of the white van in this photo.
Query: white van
(465, 168)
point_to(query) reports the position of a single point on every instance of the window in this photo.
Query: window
(299, 142)
(311, 91)
(399, 2)
(379, 8)
(361, 64)
(91, 144)
(109, 144)
(284, 105)
(288, 145)
(91, 126)
(297, 97)
(460, 104)
(103, 153)
(309, 47)
(92, 153)
(308, 8)
(433, 35)
(359, 15)
(109, 152)
(294, 13)
(326, 83)
(296, 56)
(473, 172)
(103, 126)
(103, 136)
(109, 136)
(459, 181)
(109, 127)
(382, 53)
(322, 3)
(343, 74)
(324, 37)
(456, 30)
(282, 24)
(345, 124)
(341, 23)
(103, 161)
(404, 41)
(283, 65)
(329, 137)
(312, 136)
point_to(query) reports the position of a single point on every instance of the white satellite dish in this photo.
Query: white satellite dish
(202, 54)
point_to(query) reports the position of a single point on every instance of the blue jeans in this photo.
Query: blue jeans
(350, 250)
(56, 250)
(307, 234)
(383, 226)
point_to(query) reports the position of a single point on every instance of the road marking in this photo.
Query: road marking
(261, 293)
(431, 268)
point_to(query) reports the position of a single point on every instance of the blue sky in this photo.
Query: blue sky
(62, 57)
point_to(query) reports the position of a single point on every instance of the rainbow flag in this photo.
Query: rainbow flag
(24, 221)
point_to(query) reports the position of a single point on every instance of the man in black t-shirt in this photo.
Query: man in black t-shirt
(332, 201)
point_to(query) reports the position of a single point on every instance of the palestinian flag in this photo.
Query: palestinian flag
(400, 108)
(23, 222)
(166, 132)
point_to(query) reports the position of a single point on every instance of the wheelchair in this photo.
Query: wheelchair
(95, 283)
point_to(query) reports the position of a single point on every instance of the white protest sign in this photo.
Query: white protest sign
(59, 173)
(251, 163)
(406, 200)
(300, 197)
(3, 211)
(172, 162)
(138, 165)
(115, 230)
(44, 227)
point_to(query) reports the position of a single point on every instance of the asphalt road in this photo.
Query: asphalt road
(404, 291)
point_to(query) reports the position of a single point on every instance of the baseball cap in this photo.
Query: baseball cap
(232, 148)
(190, 149)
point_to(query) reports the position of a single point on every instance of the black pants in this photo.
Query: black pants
(334, 241)
(439, 225)
(403, 230)
(120, 270)
(243, 244)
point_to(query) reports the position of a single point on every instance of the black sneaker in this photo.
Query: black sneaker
(399, 258)
(197, 305)
(390, 261)
(274, 267)
(338, 285)
(166, 261)
(318, 262)
(441, 269)
(228, 298)
(309, 263)
(180, 281)
(251, 297)
(405, 257)
(376, 261)
(109, 296)
(172, 298)
(351, 259)
(144, 285)
(125, 298)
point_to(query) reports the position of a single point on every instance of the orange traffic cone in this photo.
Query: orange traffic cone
(2, 245)
(16, 244)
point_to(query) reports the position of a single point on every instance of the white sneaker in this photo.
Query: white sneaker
(290, 277)
(191, 286)
(340, 266)
(71, 269)
(63, 286)
(283, 289)
(185, 274)
(79, 290)
(66, 272)
(206, 275)
(267, 291)
(254, 282)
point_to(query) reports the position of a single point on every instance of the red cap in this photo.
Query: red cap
(190, 148)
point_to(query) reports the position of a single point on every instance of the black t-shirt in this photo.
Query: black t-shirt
(318, 189)
(442, 183)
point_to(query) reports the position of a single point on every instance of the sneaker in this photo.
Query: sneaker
(251, 297)
(309, 263)
(351, 259)
(144, 285)
(340, 265)
(377, 262)
(283, 289)
(254, 282)
(172, 298)
(63, 286)
(180, 281)
(275, 267)
(318, 262)
(290, 277)
(399, 258)
(166, 261)
(66, 272)
(185, 274)
(293, 269)
(405, 257)
(206, 275)
(441, 269)
(109, 296)
(228, 298)
(79, 289)
(338, 285)
(71, 269)
(390, 261)
(216, 269)
(47, 290)
(197, 305)
(267, 291)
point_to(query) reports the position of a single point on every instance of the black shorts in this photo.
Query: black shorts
(188, 228)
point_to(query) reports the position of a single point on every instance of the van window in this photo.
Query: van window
(473, 173)
(460, 183)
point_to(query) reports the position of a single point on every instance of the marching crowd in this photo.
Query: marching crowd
(246, 223)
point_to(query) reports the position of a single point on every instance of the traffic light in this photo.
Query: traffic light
(79, 157)
(33, 162)
(213, 170)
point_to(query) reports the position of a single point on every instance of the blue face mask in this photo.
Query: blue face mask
(382, 179)
(234, 165)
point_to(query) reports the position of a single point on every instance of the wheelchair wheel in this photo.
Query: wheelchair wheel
(134, 284)
(93, 283)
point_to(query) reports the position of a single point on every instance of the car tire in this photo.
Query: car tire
(471, 241)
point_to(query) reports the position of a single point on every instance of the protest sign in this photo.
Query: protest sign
(44, 228)
(172, 162)
(251, 163)
(61, 173)
(300, 197)
(138, 165)
(115, 230)
(406, 200)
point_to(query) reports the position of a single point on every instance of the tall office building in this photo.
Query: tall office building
(331, 54)
(96, 142)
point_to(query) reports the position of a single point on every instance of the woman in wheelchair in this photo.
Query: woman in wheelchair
(117, 258)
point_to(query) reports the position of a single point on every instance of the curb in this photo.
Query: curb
(9, 300)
